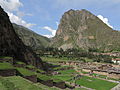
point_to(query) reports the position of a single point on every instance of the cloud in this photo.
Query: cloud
(105, 20)
(53, 32)
(49, 36)
(57, 23)
(11, 6)
(19, 21)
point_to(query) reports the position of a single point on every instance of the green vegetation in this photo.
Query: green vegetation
(25, 72)
(95, 83)
(6, 66)
(43, 77)
(70, 71)
(20, 62)
(63, 77)
(22, 84)
(5, 57)
(53, 59)
(30, 38)
(30, 66)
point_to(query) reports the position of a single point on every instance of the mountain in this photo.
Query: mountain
(83, 30)
(30, 38)
(11, 45)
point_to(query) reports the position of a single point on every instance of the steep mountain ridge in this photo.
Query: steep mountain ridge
(11, 45)
(82, 29)
(30, 38)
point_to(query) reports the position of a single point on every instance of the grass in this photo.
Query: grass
(60, 67)
(6, 66)
(25, 72)
(30, 66)
(44, 77)
(70, 71)
(20, 62)
(6, 57)
(52, 59)
(95, 83)
(22, 84)
(62, 77)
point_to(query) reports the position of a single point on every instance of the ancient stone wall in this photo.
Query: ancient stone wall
(8, 72)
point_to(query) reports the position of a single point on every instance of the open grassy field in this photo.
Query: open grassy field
(95, 83)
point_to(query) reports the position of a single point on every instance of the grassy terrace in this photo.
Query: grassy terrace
(70, 71)
(6, 66)
(25, 72)
(95, 83)
(17, 83)
(5, 57)
(66, 75)
(43, 77)
(52, 59)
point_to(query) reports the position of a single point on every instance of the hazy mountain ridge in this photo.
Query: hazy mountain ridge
(82, 29)
(30, 38)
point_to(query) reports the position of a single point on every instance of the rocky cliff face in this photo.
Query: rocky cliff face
(30, 38)
(82, 29)
(11, 44)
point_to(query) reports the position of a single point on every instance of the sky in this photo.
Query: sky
(43, 16)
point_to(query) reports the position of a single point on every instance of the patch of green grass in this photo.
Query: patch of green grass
(20, 62)
(30, 66)
(44, 77)
(39, 70)
(84, 72)
(95, 83)
(52, 59)
(6, 57)
(6, 66)
(60, 67)
(25, 72)
(23, 84)
(63, 77)
(70, 71)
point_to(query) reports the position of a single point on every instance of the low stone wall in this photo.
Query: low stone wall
(47, 82)
(32, 78)
(86, 70)
(8, 72)
(61, 85)
(20, 65)
(9, 60)
(101, 73)
(115, 76)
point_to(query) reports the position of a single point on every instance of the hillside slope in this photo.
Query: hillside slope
(82, 29)
(11, 45)
(30, 38)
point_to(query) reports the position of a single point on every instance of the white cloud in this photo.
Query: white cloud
(10, 5)
(49, 36)
(57, 23)
(19, 21)
(13, 5)
(53, 32)
(105, 20)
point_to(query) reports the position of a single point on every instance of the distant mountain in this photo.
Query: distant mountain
(30, 38)
(81, 29)
(11, 45)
